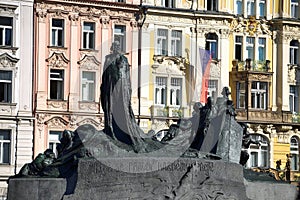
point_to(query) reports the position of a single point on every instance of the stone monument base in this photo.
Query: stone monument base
(150, 178)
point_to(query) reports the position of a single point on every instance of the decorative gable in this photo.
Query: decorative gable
(89, 63)
(57, 60)
(7, 61)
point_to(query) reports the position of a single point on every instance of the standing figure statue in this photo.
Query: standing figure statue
(119, 119)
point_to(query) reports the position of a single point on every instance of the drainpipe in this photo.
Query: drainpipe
(16, 145)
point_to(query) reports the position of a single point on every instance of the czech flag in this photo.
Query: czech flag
(205, 60)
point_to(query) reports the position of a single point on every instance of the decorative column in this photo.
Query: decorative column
(41, 68)
(74, 70)
(134, 59)
(105, 40)
(224, 56)
(274, 69)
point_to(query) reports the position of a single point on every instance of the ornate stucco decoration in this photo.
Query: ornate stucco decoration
(57, 60)
(58, 11)
(7, 61)
(215, 70)
(90, 12)
(89, 63)
(293, 74)
(8, 10)
(104, 21)
(157, 19)
(91, 106)
(41, 11)
(89, 121)
(57, 104)
(40, 121)
(251, 26)
(56, 122)
(169, 64)
(72, 119)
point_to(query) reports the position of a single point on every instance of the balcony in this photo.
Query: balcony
(264, 116)
(249, 65)
(161, 111)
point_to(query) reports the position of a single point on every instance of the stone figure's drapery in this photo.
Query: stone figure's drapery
(119, 119)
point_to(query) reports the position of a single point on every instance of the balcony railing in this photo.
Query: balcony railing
(264, 116)
(249, 65)
(167, 111)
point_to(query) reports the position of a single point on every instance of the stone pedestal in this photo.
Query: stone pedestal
(149, 178)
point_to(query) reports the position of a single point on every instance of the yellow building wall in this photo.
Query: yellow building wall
(280, 151)
(152, 50)
(269, 57)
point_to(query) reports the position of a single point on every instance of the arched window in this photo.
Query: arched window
(259, 154)
(294, 149)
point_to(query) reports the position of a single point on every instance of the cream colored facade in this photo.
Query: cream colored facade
(172, 32)
(16, 119)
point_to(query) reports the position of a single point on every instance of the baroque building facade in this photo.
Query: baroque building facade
(16, 119)
(253, 46)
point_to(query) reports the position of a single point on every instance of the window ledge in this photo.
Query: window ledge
(7, 104)
(13, 49)
(57, 47)
(89, 50)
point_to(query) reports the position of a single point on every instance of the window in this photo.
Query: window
(238, 47)
(241, 94)
(212, 89)
(294, 8)
(6, 86)
(212, 44)
(294, 45)
(176, 43)
(88, 86)
(293, 98)
(212, 5)
(5, 137)
(259, 95)
(168, 3)
(262, 9)
(239, 7)
(294, 150)
(57, 32)
(259, 154)
(250, 7)
(6, 31)
(162, 42)
(175, 91)
(54, 140)
(120, 36)
(160, 90)
(120, 1)
(262, 49)
(88, 35)
(165, 37)
(250, 47)
(56, 84)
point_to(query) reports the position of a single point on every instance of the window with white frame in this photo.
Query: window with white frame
(57, 32)
(250, 47)
(160, 90)
(241, 94)
(262, 8)
(165, 37)
(294, 45)
(211, 44)
(5, 146)
(262, 49)
(54, 140)
(239, 7)
(175, 91)
(162, 42)
(120, 36)
(294, 151)
(259, 95)
(88, 86)
(250, 8)
(56, 84)
(5, 86)
(6, 31)
(293, 98)
(294, 8)
(238, 47)
(212, 5)
(168, 3)
(88, 35)
(212, 89)
(259, 154)
(176, 43)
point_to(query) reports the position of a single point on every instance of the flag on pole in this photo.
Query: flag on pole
(205, 60)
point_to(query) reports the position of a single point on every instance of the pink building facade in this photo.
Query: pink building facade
(71, 41)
